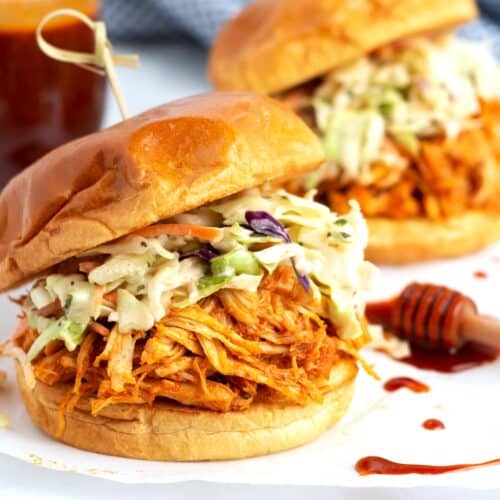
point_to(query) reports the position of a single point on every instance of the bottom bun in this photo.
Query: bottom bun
(412, 240)
(169, 431)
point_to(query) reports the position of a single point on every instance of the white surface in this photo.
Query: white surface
(171, 72)
(166, 72)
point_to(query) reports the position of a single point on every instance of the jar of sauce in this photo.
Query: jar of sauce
(43, 103)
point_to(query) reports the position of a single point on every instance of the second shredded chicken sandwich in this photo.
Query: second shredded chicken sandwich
(407, 115)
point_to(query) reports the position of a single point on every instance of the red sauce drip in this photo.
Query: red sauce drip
(379, 465)
(413, 385)
(469, 356)
(480, 275)
(433, 424)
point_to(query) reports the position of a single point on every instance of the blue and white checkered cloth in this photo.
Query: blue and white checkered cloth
(201, 19)
(152, 19)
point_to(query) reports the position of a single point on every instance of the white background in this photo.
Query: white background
(168, 72)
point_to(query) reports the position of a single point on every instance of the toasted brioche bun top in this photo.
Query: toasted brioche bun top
(160, 163)
(273, 45)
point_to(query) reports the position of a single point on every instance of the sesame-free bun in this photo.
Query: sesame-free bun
(273, 45)
(411, 240)
(160, 163)
(169, 431)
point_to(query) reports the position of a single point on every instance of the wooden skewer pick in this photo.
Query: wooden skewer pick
(102, 61)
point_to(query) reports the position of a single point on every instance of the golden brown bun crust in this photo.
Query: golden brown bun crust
(406, 241)
(273, 45)
(160, 163)
(173, 432)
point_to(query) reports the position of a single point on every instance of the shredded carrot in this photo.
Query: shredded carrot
(111, 297)
(296, 98)
(100, 329)
(96, 300)
(52, 309)
(86, 266)
(190, 230)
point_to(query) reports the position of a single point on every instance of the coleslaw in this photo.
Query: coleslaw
(137, 279)
(419, 90)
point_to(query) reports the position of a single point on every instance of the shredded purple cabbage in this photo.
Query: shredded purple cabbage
(264, 223)
(304, 280)
(203, 253)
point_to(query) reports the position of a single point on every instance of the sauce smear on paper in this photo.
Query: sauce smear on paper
(379, 465)
(433, 424)
(469, 356)
(480, 275)
(413, 385)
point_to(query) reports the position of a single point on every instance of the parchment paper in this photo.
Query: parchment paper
(378, 423)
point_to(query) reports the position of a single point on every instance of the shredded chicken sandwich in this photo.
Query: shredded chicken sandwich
(409, 130)
(251, 298)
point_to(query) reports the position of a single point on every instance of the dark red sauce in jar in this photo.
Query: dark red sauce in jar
(43, 103)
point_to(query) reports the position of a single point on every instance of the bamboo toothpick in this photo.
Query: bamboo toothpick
(102, 61)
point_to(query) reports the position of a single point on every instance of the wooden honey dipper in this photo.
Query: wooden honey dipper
(435, 316)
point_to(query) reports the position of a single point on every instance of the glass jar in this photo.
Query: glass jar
(43, 103)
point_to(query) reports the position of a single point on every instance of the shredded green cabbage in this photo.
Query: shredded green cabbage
(62, 329)
(237, 261)
(132, 313)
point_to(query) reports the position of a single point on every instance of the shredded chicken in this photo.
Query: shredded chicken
(54, 309)
(446, 178)
(216, 354)
(13, 351)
